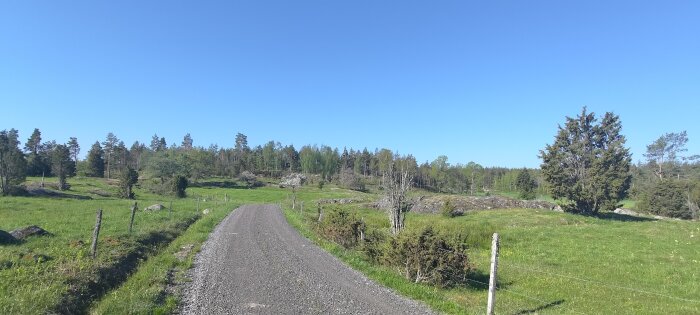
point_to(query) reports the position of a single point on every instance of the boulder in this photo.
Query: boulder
(155, 207)
(6, 238)
(25, 232)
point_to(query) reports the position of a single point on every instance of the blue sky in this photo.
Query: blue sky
(481, 81)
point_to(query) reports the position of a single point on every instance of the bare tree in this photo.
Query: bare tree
(396, 186)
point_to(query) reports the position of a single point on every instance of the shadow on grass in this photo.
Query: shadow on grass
(621, 217)
(540, 308)
(220, 184)
(41, 192)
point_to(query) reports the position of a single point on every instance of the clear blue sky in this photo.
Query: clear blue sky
(474, 80)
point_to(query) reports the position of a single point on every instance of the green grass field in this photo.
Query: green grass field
(553, 263)
(550, 262)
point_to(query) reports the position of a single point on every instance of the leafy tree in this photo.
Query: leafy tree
(127, 178)
(663, 152)
(180, 184)
(187, 142)
(250, 179)
(13, 166)
(62, 165)
(95, 161)
(588, 163)
(526, 185)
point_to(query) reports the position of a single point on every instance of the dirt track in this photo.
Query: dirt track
(255, 263)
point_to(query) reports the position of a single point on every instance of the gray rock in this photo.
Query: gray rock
(6, 238)
(25, 232)
(156, 207)
(626, 212)
(206, 211)
(433, 204)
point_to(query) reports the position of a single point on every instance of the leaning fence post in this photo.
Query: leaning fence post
(133, 214)
(492, 279)
(96, 233)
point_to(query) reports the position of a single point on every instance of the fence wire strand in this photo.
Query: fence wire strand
(600, 283)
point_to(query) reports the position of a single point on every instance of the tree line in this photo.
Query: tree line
(588, 167)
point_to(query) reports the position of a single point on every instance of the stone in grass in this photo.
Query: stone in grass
(25, 232)
(155, 207)
(206, 211)
(6, 238)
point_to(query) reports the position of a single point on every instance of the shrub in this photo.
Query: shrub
(349, 180)
(341, 227)
(374, 245)
(179, 186)
(449, 210)
(127, 178)
(250, 179)
(321, 183)
(427, 257)
(668, 198)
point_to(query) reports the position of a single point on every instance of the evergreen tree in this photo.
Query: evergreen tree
(61, 165)
(127, 178)
(13, 166)
(180, 184)
(37, 160)
(74, 148)
(588, 163)
(95, 161)
(109, 146)
(526, 185)
(155, 143)
(187, 142)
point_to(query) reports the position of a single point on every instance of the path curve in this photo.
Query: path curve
(256, 263)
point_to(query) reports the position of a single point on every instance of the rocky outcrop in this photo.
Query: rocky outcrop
(433, 204)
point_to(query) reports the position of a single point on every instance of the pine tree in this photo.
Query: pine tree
(187, 142)
(588, 163)
(95, 161)
(13, 166)
(61, 165)
(526, 185)
(109, 146)
(74, 148)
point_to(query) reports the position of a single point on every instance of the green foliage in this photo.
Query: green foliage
(349, 180)
(321, 183)
(448, 210)
(526, 185)
(179, 186)
(669, 198)
(588, 163)
(95, 161)
(374, 245)
(341, 227)
(62, 165)
(427, 257)
(127, 178)
(12, 163)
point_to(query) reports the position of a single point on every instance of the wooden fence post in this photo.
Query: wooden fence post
(96, 233)
(492, 279)
(133, 214)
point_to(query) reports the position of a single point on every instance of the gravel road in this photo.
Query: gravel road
(255, 263)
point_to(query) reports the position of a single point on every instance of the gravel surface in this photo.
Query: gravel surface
(255, 263)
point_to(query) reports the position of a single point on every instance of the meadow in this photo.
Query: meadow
(550, 262)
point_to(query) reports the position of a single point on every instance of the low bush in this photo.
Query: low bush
(427, 257)
(342, 227)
